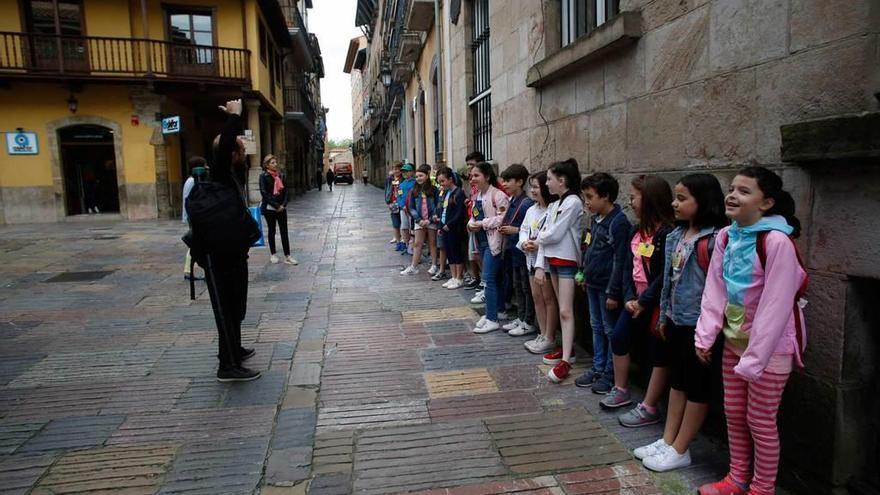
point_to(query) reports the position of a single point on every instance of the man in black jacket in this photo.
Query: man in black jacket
(331, 178)
(228, 279)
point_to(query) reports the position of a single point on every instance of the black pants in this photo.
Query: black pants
(522, 294)
(330, 185)
(227, 279)
(281, 218)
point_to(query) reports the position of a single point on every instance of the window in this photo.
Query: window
(481, 101)
(264, 46)
(437, 110)
(581, 17)
(194, 30)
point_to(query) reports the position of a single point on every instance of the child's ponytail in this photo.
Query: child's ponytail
(770, 184)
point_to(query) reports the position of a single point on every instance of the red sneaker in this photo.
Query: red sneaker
(724, 487)
(559, 372)
(553, 357)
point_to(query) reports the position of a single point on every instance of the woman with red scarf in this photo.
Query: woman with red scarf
(274, 206)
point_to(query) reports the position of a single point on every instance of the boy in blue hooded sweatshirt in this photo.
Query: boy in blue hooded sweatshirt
(607, 244)
(406, 186)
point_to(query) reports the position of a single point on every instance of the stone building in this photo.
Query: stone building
(111, 98)
(670, 87)
(354, 65)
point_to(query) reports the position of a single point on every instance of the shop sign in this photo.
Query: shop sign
(171, 125)
(22, 143)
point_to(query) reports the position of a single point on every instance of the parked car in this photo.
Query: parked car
(343, 173)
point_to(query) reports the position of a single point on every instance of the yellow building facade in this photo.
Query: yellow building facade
(86, 85)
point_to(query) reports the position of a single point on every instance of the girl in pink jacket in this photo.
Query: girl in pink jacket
(750, 296)
(487, 214)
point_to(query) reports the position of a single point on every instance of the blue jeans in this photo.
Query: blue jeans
(494, 290)
(602, 321)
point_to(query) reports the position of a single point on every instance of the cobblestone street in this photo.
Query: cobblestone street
(372, 382)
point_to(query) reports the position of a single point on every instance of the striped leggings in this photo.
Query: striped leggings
(751, 425)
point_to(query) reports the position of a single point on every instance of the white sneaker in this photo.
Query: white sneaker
(446, 284)
(410, 270)
(531, 343)
(512, 325)
(273, 259)
(454, 284)
(651, 450)
(290, 261)
(432, 270)
(482, 321)
(502, 315)
(393, 241)
(667, 460)
(523, 329)
(540, 347)
(479, 298)
(489, 326)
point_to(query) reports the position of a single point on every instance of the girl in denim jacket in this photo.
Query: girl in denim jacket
(698, 203)
(422, 205)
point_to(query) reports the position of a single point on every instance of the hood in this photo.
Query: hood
(773, 222)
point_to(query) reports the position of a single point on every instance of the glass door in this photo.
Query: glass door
(192, 34)
(56, 35)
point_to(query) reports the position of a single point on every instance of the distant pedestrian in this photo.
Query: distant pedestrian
(198, 172)
(366, 176)
(331, 178)
(319, 179)
(274, 207)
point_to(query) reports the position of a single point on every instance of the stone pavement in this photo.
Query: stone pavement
(372, 382)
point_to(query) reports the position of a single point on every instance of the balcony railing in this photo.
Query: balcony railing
(298, 106)
(45, 55)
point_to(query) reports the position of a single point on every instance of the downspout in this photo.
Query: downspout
(439, 36)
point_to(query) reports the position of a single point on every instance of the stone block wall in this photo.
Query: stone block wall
(706, 87)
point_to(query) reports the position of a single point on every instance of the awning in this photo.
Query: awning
(364, 14)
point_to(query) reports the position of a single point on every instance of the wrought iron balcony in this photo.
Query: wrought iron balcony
(29, 55)
(303, 49)
(298, 107)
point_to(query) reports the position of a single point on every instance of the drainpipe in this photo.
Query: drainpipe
(148, 49)
(439, 36)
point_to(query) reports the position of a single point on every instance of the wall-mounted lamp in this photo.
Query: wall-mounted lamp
(72, 103)
(385, 74)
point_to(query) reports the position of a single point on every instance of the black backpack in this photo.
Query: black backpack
(220, 222)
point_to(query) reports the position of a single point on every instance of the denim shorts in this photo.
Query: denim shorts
(395, 219)
(563, 271)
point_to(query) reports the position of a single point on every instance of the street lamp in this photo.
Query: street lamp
(72, 103)
(385, 74)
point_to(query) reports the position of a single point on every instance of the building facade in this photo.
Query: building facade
(355, 61)
(671, 87)
(113, 98)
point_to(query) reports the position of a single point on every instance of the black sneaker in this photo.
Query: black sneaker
(588, 379)
(603, 385)
(237, 374)
(439, 276)
(473, 284)
(246, 353)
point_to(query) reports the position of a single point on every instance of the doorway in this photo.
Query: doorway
(88, 166)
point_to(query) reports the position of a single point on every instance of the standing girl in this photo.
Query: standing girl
(274, 207)
(559, 247)
(423, 202)
(546, 308)
(753, 294)
(489, 206)
(698, 203)
(452, 216)
(392, 191)
(651, 201)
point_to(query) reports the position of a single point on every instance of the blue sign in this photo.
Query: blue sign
(171, 125)
(22, 143)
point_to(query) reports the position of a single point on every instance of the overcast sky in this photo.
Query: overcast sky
(333, 22)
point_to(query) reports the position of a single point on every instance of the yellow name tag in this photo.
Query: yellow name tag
(535, 225)
(676, 260)
(588, 238)
(476, 212)
(646, 250)
(446, 202)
